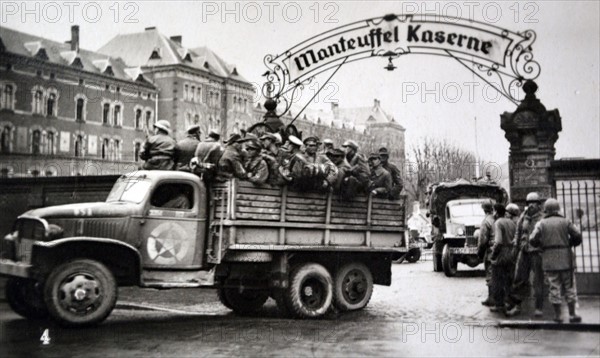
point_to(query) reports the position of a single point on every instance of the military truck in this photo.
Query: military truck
(455, 212)
(165, 229)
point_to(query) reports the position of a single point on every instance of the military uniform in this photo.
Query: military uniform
(230, 165)
(257, 170)
(486, 238)
(381, 182)
(309, 172)
(158, 152)
(501, 259)
(184, 152)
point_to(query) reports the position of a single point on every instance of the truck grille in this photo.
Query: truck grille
(469, 232)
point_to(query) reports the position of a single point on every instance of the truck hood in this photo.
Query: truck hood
(467, 221)
(99, 209)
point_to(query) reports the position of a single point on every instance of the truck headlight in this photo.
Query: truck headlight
(460, 231)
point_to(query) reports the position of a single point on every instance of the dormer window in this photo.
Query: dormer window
(206, 65)
(41, 54)
(234, 72)
(109, 71)
(155, 54)
(77, 62)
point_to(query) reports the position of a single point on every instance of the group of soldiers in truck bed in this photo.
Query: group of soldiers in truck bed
(267, 160)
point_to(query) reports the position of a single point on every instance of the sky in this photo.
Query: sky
(430, 96)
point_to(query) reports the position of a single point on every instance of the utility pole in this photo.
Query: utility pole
(476, 152)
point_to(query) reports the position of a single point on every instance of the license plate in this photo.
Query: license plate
(463, 250)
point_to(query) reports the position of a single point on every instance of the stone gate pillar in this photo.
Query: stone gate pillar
(531, 131)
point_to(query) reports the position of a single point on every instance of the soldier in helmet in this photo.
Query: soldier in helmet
(529, 260)
(555, 235)
(513, 211)
(484, 245)
(327, 145)
(186, 147)
(159, 149)
(501, 257)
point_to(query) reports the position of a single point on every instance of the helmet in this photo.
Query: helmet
(513, 209)
(164, 125)
(551, 206)
(533, 196)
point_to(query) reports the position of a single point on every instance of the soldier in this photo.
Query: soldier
(256, 168)
(555, 235)
(381, 180)
(231, 165)
(287, 157)
(271, 153)
(207, 155)
(486, 235)
(338, 157)
(327, 145)
(186, 147)
(357, 179)
(397, 184)
(159, 149)
(529, 260)
(501, 257)
(312, 170)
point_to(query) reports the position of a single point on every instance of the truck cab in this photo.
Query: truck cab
(456, 213)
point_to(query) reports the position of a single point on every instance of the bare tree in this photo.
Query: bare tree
(434, 160)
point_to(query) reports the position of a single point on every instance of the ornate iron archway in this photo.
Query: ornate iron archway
(494, 52)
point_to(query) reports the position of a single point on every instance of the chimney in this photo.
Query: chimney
(177, 39)
(75, 38)
(375, 102)
(335, 108)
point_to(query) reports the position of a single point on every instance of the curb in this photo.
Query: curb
(551, 325)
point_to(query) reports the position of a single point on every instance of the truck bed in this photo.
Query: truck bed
(244, 216)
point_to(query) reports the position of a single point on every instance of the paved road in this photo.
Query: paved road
(421, 314)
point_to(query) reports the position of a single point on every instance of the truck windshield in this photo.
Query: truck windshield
(129, 190)
(467, 209)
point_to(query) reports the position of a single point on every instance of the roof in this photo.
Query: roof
(151, 48)
(60, 53)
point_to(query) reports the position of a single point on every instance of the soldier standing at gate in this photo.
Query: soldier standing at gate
(486, 238)
(397, 184)
(501, 257)
(159, 149)
(186, 147)
(529, 260)
(555, 235)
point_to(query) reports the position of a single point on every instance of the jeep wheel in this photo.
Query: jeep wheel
(353, 287)
(243, 301)
(80, 293)
(448, 262)
(310, 292)
(25, 297)
(413, 255)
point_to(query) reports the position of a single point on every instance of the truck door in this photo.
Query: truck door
(172, 226)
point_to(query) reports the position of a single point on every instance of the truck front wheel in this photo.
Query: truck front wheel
(448, 262)
(80, 293)
(25, 297)
(353, 286)
(310, 292)
(243, 301)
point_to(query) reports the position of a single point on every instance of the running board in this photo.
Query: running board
(177, 279)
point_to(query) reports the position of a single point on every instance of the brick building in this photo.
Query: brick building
(195, 85)
(371, 126)
(68, 111)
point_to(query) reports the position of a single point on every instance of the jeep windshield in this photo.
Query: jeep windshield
(129, 190)
(472, 209)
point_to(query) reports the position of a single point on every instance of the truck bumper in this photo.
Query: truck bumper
(463, 250)
(13, 268)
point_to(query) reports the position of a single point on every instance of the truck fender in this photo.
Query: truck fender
(121, 258)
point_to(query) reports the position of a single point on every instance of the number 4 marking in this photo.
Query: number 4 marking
(45, 338)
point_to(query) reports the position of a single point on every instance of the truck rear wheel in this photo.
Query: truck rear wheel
(243, 301)
(448, 262)
(310, 292)
(413, 255)
(25, 297)
(353, 287)
(80, 293)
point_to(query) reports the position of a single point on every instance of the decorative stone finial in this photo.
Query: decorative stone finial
(530, 87)
(270, 104)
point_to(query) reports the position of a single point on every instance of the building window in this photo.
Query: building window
(138, 119)
(50, 143)
(117, 149)
(245, 108)
(6, 139)
(149, 119)
(80, 109)
(38, 100)
(36, 138)
(137, 147)
(199, 94)
(104, 149)
(185, 92)
(7, 97)
(117, 116)
(193, 93)
(216, 100)
(51, 105)
(105, 113)
(79, 145)
(196, 119)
